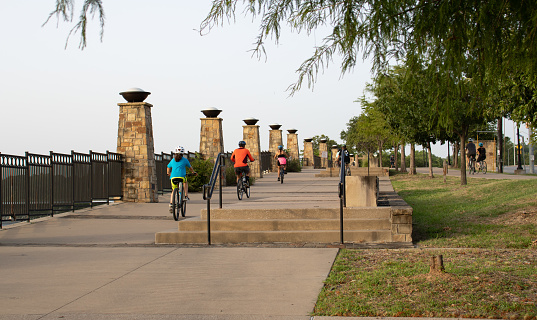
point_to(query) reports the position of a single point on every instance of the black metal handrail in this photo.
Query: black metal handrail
(208, 189)
(342, 195)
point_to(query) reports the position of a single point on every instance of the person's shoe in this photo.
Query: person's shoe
(171, 208)
(187, 198)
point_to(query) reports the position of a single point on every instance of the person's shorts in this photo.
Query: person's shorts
(481, 158)
(239, 170)
(470, 155)
(176, 180)
(282, 161)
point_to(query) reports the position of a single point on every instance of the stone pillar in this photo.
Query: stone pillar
(323, 152)
(275, 140)
(292, 144)
(250, 134)
(334, 156)
(308, 153)
(211, 134)
(135, 142)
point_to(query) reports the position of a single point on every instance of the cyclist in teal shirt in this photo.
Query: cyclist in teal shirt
(177, 169)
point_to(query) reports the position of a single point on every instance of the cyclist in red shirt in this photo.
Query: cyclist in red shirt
(240, 158)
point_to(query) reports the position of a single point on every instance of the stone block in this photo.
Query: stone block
(400, 219)
(361, 191)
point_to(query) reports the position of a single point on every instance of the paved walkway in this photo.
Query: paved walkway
(102, 263)
(488, 175)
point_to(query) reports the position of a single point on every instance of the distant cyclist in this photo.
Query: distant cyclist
(240, 159)
(482, 153)
(177, 169)
(347, 156)
(470, 150)
(281, 156)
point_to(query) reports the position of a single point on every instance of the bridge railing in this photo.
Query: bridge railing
(37, 185)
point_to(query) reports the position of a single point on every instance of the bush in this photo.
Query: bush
(204, 168)
(294, 165)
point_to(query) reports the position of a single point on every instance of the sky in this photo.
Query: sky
(58, 98)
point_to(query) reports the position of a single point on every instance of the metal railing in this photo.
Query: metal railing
(267, 161)
(208, 189)
(342, 195)
(37, 185)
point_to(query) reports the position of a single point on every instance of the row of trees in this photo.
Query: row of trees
(459, 63)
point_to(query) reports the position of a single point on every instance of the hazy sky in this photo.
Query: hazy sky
(66, 99)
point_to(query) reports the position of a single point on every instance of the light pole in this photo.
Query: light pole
(518, 151)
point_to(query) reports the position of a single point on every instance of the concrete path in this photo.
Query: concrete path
(102, 263)
(488, 175)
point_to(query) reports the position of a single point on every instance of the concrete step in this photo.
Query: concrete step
(320, 236)
(285, 225)
(320, 213)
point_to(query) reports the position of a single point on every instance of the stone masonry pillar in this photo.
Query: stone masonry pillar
(250, 134)
(334, 156)
(135, 142)
(292, 144)
(275, 140)
(308, 153)
(211, 134)
(323, 152)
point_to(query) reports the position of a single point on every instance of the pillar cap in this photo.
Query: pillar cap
(323, 140)
(211, 112)
(250, 121)
(275, 126)
(292, 130)
(308, 139)
(134, 95)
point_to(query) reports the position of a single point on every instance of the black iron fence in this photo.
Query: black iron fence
(267, 161)
(37, 185)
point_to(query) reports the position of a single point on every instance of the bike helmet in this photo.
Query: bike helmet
(481, 144)
(180, 150)
(470, 140)
(280, 147)
(242, 143)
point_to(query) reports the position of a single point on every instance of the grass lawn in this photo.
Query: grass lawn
(486, 232)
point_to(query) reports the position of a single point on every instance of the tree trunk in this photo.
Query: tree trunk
(396, 152)
(456, 154)
(380, 154)
(403, 157)
(412, 159)
(463, 160)
(437, 264)
(430, 156)
(500, 145)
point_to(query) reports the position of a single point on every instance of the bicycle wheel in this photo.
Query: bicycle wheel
(281, 175)
(484, 167)
(247, 189)
(239, 189)
(175, 203)
(348, 171)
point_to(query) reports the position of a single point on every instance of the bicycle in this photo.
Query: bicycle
(282, 173)
(243, 187)
(179, 199)
(482, 166)
(471, 165)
